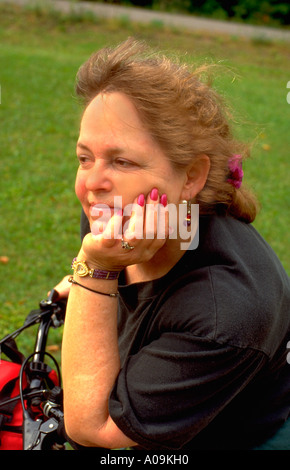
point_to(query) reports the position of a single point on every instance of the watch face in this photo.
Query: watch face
(81, 269)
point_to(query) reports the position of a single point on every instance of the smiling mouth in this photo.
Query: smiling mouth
(104, 210)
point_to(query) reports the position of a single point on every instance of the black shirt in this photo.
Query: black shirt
(204, 349)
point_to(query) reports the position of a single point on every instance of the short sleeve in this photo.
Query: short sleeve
(175, 386)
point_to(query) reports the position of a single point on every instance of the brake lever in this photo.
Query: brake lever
(40, 432)
(31, 432)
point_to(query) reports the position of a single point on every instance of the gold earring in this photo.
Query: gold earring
(187, 220)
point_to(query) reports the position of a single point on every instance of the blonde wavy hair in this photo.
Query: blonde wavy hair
(184, 115)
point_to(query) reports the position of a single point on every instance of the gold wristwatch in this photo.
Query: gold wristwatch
(82, 269)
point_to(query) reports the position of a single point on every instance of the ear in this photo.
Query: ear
(196, 176)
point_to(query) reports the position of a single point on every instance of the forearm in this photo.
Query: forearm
(90, 356)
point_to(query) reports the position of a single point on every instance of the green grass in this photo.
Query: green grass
(40, 53)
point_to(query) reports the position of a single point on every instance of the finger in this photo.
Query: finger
(103, 214)
(133, 228)
(151, 214)
(62, 288)
(113, 230)
(157, 216)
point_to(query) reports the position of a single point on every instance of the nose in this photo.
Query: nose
(98, 177)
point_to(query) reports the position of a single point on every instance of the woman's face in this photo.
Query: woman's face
(118, 157)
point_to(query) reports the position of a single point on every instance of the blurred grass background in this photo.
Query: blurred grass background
(40, 53)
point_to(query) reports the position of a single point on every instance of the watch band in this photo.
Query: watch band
(81, 269)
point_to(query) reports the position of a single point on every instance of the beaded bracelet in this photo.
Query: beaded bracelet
(71, 279)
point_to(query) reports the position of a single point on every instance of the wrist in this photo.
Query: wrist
(82, 268)
(109, 294)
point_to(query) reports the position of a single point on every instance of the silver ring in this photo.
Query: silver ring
(126, 246)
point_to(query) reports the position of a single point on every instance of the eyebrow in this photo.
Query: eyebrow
(109, 151)
(82, 146)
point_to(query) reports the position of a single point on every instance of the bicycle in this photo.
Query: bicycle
(31, 410)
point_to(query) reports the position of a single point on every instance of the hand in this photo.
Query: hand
(63, 288)
(144, 225)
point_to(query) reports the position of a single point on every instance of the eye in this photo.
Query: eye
(124, 163)
(84, 160)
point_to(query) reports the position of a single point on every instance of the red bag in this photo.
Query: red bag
(11, 417)
(11, 414)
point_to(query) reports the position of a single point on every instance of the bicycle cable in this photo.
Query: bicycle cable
(24, 364)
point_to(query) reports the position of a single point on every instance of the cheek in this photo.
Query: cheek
(80, 187)
(172, 186)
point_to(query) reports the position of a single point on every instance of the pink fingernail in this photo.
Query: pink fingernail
(163, 200)
(154, 194)
(120, 212)
(141, 200)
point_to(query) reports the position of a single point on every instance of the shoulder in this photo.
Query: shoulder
(232, 289)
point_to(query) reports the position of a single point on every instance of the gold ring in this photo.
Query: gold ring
(126, 246)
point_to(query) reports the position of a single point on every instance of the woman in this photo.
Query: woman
(167, 348)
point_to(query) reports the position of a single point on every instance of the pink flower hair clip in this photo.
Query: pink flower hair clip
(236, 173)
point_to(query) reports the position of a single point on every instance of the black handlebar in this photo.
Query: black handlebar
(43, 429)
